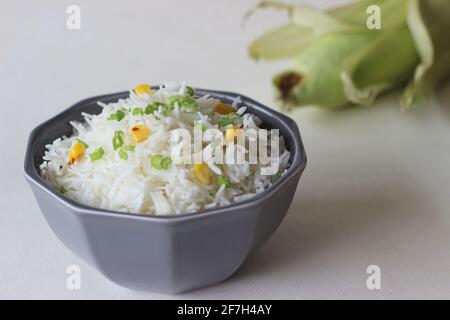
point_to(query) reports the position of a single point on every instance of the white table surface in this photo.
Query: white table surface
(376, 189)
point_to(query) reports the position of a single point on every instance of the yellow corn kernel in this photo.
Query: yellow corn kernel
(223, 108)
(76, 152)
(143, 88)
(203, 173)
(231, 134)
(140, 133)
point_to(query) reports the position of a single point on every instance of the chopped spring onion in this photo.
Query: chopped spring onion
(137, 112)
(228, 119)
(129, 148)
(123, 151)
(189, 91)
(156, 161)
(117, 139)
(118, 115)
(223, 181)
(151, 108)
(160, 162)
(123, 154)
(166, 162)
(185, 103)
(97, 154)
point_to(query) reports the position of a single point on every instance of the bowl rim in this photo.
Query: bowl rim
(298, 162)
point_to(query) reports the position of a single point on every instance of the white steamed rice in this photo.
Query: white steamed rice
(133, 185)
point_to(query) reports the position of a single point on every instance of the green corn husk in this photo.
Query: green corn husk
(338, 60)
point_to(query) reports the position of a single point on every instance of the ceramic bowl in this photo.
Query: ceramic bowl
(168, 254)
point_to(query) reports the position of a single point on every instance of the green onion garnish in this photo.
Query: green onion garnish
(118, 115)
(117, 139)
(137, 112)
(156, 161)
(123, 154)
(129, 148)
(97, 154)
(222, 181)
(62, 190)
(166, 162)
(166, 110)
(228, 119)
(189, 91)
(151, 108)
(123, 151)
(160, 162)
(185, 103)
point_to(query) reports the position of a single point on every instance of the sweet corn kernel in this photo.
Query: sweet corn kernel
(143, 88)
(76, 152)
(231, 134)
(203, 173)
(139, 132)
(223, 108)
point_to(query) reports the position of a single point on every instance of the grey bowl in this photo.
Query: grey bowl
(168, 254)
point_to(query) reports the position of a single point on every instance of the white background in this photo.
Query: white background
(376, 189)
